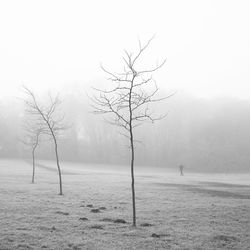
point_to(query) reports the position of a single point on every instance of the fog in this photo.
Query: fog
(58, 47)
(202, 134)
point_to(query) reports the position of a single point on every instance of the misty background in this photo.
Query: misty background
(58, 46)
(202, 134)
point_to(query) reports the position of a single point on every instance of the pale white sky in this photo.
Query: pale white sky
(49, 44)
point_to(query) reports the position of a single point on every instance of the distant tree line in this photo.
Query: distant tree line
(206, 136)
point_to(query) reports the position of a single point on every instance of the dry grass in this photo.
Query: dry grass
(190, 212)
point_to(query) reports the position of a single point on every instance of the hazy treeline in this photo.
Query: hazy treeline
(201, 134)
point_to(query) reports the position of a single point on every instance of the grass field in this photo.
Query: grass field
(194, 211)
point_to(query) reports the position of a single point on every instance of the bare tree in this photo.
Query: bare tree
(32, 138)
(128, 101)
(48, 119)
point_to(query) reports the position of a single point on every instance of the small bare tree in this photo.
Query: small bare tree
(32, 139)
(128, 101)
(48, 119)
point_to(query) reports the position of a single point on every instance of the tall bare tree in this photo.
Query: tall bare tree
(49, 119)
(128, 101)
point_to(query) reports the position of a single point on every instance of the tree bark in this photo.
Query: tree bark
(132, 177)
(132, 152)
(58, 165)
(33, 162)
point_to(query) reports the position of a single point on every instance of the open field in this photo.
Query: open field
(191, 212)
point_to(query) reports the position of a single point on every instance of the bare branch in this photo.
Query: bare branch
(141, 49)
(153, 69)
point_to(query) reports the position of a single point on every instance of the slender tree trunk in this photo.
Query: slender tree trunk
(132, 152)
(132, 177)
(33, 158)
(58, 165)
(33, 163)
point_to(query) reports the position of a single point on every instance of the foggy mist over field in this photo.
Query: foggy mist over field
(204, 134)
(60, 48)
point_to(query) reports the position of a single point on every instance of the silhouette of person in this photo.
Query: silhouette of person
(181, 167)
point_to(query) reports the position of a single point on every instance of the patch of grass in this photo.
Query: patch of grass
(83, 219)
(24, 246)
(218, 193)
(95, 210)
(102, 208)
(62, 213)
(154, 235)
(120, 221)
(107, 220)
(146, 225)
(23, 228)
(114, 220)
(177, 209)
(97, 227)
(225, 238)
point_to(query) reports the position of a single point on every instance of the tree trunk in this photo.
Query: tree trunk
(132, 151)
(58, 165)
(33, 158)
(133, 178)
(33, 163)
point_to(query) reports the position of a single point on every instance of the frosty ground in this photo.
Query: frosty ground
(195, 211)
